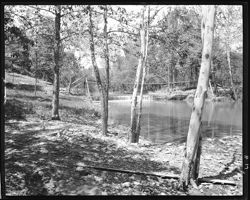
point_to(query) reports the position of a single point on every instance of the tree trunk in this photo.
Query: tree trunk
(211, 113)
(56, 86)
(43, 76)
(106, 56)
(104, 105)
(134, 102)
(88, 91)
(144, 72)
(70, 84)
(36, 74)
(5, 92)
(103, 90)
(168, 77)
(190, 167)
(213, 77)
(211, 88)
(191, 77)
(230, 72)
(133, 121)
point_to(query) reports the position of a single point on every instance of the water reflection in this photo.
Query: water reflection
(168, 121)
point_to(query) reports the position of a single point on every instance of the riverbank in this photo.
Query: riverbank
(187, 95)
(55, 157)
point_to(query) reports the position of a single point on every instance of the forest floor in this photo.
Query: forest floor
(44, 157)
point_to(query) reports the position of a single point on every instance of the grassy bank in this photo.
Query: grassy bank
(52, 157)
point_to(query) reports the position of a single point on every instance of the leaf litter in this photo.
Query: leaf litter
(43, 162)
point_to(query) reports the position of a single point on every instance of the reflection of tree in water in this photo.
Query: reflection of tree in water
(167, 122)
(172, 121)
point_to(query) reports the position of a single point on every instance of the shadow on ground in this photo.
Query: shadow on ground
(38, 162)
(15, 109)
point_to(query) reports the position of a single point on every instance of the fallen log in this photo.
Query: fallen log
(158, 174)
(216, 181)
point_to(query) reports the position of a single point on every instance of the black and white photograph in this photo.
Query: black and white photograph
(114, 100)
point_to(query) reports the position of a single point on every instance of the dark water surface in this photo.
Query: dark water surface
(169, 120)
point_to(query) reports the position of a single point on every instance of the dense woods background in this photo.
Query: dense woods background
(174, 52)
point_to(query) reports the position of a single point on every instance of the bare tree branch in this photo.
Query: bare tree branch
(42, 9)
(121, 31)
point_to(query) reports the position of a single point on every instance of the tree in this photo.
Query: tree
(56, 67)
(141, 71)
(191, 162)
(229, 28)
(102, 87)
(17, 43)
(71, 71)
(175, 47)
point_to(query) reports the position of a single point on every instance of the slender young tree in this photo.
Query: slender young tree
(56, 86)
(230, 70)
(102, 87)
(230, 31)
(106, 87)
(144, 72)
(135, 122)
(191, 162)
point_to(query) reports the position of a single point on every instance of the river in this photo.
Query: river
(166, 121)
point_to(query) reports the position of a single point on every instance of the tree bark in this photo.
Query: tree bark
(134, 102)
(211, 88)
(168, 77)
(88, 91)
(190, 166)
(133, 122)
(36, 73)
(70, 84)
(5, 92)
(144, 72)
(56, 86)
(213, 77)
(230, 72)
(103, 89)
(106, 56)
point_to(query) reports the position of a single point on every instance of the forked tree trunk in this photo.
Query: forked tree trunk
(144, 71)
(133, 121)
(191, 162)
(56, 86)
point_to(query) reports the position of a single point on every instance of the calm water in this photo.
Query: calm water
(169, 120)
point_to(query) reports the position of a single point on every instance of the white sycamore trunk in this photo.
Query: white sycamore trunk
(140, 73)
(190, 167)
